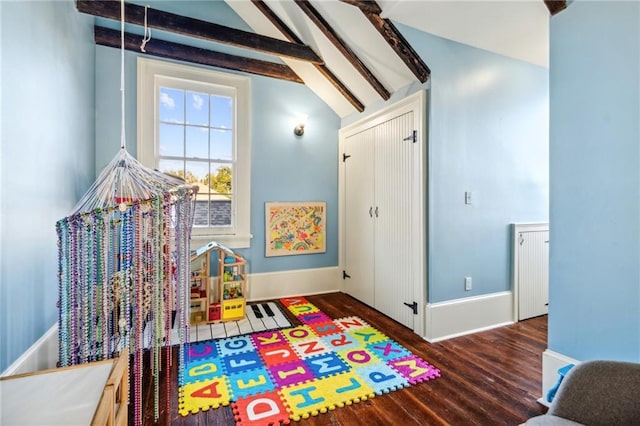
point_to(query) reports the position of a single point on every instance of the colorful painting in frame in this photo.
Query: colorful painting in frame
(295, 228)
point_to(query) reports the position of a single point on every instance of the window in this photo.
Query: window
(194, 123)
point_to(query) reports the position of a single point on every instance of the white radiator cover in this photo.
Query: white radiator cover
(530, 270)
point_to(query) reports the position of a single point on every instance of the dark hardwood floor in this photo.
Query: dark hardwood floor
(488, 378)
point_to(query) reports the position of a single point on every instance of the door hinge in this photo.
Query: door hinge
(344, 157)
(345, 275)
(413, 306)
(413, 137)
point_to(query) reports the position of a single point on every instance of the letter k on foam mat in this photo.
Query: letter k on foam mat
(276, 376)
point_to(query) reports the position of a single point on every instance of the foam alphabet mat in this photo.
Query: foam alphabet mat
(276, 376)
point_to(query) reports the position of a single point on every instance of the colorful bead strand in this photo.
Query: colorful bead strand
(122, 273)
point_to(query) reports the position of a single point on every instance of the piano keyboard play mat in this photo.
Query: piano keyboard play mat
(276, 376)
(260, 317)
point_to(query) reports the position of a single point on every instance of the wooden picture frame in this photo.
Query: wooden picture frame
(294, 228)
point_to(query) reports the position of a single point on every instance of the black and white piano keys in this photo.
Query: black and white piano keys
(259, 317)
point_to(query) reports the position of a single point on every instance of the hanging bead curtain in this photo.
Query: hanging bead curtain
(124, 270)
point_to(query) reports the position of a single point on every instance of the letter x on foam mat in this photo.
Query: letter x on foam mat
(276, 376)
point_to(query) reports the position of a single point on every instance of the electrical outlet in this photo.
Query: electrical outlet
(467, 283)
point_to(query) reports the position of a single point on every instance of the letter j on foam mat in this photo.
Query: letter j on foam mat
(276, 376)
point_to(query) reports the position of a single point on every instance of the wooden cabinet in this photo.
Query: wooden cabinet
(218, 285)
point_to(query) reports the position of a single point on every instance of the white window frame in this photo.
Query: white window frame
(150, 73)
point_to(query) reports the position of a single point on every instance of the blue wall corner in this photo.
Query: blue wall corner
(47, 157)
(488, 134)
(284, 167)
(594, 271)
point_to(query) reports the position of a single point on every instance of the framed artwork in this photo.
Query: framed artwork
(295, 228)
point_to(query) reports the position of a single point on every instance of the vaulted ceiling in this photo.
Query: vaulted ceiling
(348, 52)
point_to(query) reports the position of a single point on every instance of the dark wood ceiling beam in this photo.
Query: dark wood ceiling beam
(323, 69)
(555, 6)
(276, 21)
(165, 49)
(394, 38)
(400, 45)
(335, 39)
(178, 24)
(365, 5)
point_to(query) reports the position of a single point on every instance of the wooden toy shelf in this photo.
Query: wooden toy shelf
(218, 285)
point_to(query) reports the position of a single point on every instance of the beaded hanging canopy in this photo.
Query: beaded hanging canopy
(124, 266)
(124, 270)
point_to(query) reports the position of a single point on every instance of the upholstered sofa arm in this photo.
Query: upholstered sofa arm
(597, 393)
(549, 420)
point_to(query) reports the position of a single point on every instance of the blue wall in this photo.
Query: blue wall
(290, 168)
(594, 270)
(47, 156)
(284, 167)
(488, 134)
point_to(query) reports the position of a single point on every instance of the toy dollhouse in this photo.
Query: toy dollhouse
(218, 285)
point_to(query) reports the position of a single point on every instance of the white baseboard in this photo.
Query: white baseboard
(551, 362)
(454, 318)
(42, 355)
(302, 282)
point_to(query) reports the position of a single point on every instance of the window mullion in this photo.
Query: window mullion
(209, 155)
(184, 133)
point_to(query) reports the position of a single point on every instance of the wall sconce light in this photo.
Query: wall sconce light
(301, 121)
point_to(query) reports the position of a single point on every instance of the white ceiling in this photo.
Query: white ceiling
(514, 28)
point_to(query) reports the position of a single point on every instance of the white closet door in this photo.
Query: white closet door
(358, 176)
(394, 162)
